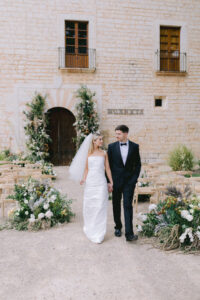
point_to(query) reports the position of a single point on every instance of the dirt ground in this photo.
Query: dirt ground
(61, 263)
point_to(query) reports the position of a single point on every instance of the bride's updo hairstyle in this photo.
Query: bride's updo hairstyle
(95, 137)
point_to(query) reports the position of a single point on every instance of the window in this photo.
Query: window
(76, 44)
(170, 49)
(158, 102)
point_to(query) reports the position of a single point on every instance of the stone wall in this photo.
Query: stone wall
(125, 35)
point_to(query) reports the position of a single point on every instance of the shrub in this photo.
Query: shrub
(181, 159)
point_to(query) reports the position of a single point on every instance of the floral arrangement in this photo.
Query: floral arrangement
(39, 206)
(87, 120)
(36, 134)
(35, 129)
(46, 168)
(174, 222)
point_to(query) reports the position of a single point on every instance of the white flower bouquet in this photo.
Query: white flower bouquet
(175, 222)
(39, 204)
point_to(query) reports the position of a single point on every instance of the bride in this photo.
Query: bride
(89, 167)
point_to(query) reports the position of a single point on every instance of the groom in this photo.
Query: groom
(125, 164)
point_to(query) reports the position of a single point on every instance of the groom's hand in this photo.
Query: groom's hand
(110, 187)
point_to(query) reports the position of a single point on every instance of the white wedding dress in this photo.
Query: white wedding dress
(95, 200)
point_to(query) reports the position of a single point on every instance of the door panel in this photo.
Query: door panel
(62, 132)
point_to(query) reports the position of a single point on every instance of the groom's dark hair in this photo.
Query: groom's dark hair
(122, 128)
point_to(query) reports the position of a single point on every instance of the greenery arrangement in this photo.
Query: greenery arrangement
(37, 137)
(35, 130)
(174, 222)
(87, 120)
(6, 155)
(181, 159)
(39, 206)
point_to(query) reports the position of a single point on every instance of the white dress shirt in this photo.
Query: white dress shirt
(124, 151)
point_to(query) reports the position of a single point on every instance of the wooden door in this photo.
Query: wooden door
(76, 44)
(169, 48)
(62, 132)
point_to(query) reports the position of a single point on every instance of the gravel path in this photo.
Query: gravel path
(62, 264)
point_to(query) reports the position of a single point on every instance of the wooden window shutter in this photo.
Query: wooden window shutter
(170, 48)
(76, 33)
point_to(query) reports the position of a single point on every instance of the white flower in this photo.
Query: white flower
(53, 198)
(17, 214)
(32, 219)
(198, 234)
(26, 212)
(189, 218)
(40, 216)
(152, 207)
(26, 201)
(142, 217)
(46, 206)
(139, 184)
(191, 211)
(188, 232)
(49, 214)
(139, 228)
(184, 213)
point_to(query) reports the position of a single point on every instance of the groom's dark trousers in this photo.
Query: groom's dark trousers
(124, 181)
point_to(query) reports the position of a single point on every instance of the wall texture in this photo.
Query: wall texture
(125, 35)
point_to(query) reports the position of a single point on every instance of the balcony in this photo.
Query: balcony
(77, 59)
(171, 63)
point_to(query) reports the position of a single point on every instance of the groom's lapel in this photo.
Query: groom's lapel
(119, 152)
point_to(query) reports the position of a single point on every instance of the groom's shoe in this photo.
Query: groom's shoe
(132, 237)
(118, 232)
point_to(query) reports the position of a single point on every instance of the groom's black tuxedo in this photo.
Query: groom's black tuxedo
(124, 180)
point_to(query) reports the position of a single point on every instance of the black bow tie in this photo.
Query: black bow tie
(123, 144)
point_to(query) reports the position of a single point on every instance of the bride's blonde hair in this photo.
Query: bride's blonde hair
(95, 137)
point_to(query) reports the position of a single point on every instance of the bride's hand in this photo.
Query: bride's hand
(82, 182)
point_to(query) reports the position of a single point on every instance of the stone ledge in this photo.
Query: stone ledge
(78, 70)
(167, 73)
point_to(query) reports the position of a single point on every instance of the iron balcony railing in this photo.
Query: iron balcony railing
(81, 57)
(171, 61)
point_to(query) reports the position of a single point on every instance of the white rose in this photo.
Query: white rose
(191, 211)
(26, 213)
(46, 206)
(142, 217)
(26, 201)
(152, 207)
(40, 216)
(49, 214)
(189, 218)
(139, 228)
(184, 213)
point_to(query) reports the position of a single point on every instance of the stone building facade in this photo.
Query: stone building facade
(143, 63)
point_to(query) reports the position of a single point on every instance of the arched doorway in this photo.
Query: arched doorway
(62, 132)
